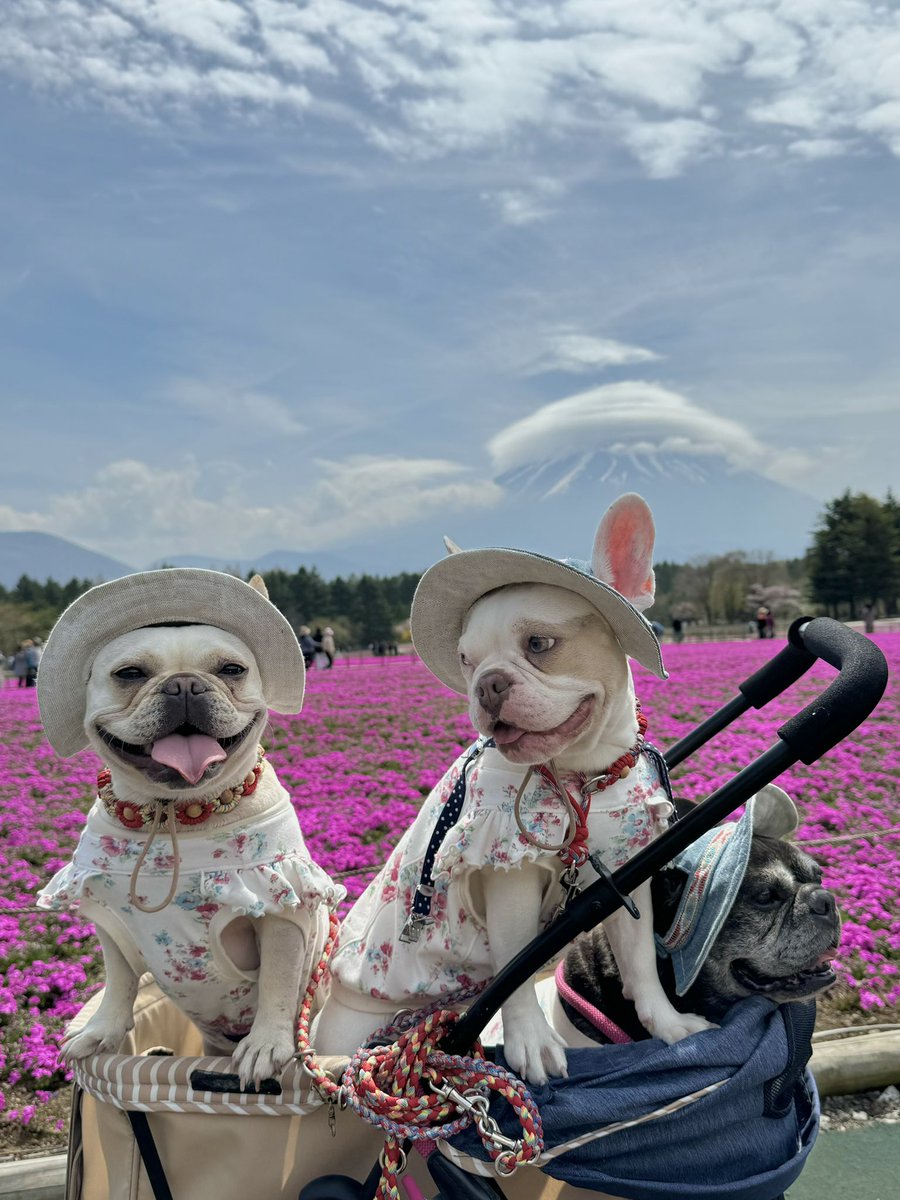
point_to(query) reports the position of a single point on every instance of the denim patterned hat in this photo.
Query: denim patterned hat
(715, 865)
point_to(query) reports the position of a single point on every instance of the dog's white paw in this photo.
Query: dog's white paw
(97, 1037)
(535, 1053)
(670, 1026)
(263, 1055)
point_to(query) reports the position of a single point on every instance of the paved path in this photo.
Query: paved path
(861, 1164)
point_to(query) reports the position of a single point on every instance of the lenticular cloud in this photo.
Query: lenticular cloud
(629, 418)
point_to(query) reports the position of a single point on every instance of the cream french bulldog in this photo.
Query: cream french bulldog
(540, 649)
(192, 864)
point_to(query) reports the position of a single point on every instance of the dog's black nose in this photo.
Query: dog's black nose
(820, 901)
(491, 691)
(184, 685)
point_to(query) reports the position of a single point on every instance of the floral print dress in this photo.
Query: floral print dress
(251, 870)
(453, 951)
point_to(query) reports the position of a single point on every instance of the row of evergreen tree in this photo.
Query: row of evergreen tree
(854, 561)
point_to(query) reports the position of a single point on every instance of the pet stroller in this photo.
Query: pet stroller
(731, 1114)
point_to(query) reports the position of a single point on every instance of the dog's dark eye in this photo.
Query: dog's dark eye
(463, 661)
(233, 669)
(538, 644)
(766, 898)
(130, 674)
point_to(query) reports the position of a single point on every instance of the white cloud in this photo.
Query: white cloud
(427, 78)
(814, 148)
(664, 148)
(142, 513)
(524, 206)
(227, 404)
(566, 348)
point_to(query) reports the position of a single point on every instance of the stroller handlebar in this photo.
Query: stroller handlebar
(848, 699)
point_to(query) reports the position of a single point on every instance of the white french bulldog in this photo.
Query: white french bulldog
(192, 864)
(547, 679)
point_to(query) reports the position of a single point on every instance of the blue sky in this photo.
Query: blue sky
(286, 275)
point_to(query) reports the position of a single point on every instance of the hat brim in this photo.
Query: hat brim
(715, 864)
(187, 594)
(448, 590)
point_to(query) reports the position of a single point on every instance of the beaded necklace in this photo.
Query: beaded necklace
(194, 812)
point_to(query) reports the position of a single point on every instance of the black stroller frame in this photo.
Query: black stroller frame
(821, 725)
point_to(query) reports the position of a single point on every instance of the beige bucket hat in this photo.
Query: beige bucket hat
(448, 590)
(155, 598)
(622, 551)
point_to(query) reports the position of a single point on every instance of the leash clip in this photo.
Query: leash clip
(415, 923)
(568, 881)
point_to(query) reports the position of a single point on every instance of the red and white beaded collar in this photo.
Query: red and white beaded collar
(194, 812)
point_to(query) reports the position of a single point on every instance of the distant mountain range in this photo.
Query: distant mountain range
(328, 565)
(43, 556)
(551, 507)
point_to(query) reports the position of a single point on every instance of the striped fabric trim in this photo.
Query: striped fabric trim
(606, 1130)
(162, 1083)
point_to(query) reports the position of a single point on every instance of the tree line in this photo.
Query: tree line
(853, 561)
(361, 610)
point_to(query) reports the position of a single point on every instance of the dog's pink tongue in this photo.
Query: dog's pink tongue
(190, 755)
(505, 735)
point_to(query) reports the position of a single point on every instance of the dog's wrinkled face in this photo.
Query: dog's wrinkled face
(782, 931)
(544, 673)
(175, 710)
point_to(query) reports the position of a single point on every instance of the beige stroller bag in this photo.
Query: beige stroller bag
(213, 1144)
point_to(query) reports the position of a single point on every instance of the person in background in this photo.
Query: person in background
(326, 644)
(762, 614)
(868, 615)
(678, 629)
(307, 646)
(25, 664)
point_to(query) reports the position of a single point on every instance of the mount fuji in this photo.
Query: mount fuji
(701, 506)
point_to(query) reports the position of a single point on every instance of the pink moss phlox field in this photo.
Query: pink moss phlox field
(370, 743)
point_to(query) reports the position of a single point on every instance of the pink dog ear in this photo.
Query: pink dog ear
(623, 550)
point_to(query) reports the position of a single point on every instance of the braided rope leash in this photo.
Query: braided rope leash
(328, 1088)
(412, 1091)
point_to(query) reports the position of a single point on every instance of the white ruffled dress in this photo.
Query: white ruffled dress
(251, 870)
(453, 953)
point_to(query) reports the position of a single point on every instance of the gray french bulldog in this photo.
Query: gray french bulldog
(776, 940)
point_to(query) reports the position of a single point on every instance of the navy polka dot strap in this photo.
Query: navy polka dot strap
(420, 916)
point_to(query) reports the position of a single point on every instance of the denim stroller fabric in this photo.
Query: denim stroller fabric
(747, 1140)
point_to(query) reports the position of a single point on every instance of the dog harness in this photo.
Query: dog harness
(418, 932)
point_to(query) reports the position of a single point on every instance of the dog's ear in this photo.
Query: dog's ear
(259, 585)
(451, 546)
(774, 813)
(623, 550)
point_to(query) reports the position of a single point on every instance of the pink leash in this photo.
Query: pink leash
(587, 1010)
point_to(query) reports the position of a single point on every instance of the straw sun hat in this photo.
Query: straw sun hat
(622, 553)
(185, 594)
